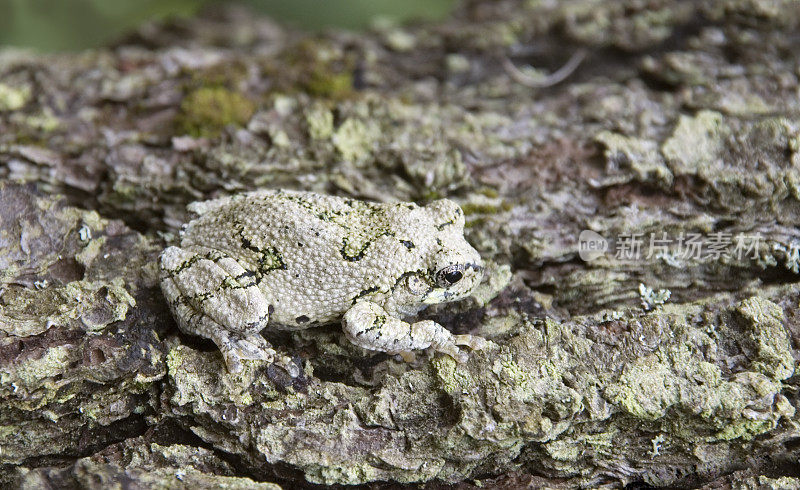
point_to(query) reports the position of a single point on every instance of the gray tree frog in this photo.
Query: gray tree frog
(294, 260)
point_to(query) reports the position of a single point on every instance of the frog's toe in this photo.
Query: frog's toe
(408, 356)
(472, 341)
(232, 362)
(246, 349)
(454, 352)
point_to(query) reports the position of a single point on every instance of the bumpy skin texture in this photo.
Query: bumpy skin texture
(293, 260)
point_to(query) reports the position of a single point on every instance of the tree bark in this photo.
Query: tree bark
(653, 361)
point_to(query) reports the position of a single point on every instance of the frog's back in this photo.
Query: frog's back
(237, 224)
(315, 254)
(274, 201)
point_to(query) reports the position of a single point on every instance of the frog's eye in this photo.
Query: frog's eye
(449, 275)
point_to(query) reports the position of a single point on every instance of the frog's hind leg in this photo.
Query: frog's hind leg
(213, 296)
(368, 325)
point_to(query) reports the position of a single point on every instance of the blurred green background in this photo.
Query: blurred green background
(68, 25)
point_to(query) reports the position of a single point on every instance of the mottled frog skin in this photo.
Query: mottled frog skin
(293, 260)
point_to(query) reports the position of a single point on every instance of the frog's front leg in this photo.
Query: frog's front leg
(368, 325)
(211, 295)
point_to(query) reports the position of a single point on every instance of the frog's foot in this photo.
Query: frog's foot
(263, 347)
(450, 346)
(408, 356)
(235, 347)
(474, 342)
(253, 346)
(453, 351)
(368, 325)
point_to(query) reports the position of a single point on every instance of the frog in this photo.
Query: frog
(291, 260)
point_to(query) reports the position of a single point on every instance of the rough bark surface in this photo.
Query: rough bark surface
(666, 369)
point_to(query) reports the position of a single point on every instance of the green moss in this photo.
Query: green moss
(316, 67)
(485, 208)
(324, 82)
(207, 110)
(471, 208)
(348, 475)
(193, 374)
(354, 139)
(175, 359)
(431, 195)
(221, 74)
(476, 222)
(696, 143)
(771, 341)
(779, 483)
(601, 442)
(320, 122)
(488, 192)
(32, 372)
(745, 429)
(645, 390)
(447, 371)
(12, 98)
(638, 156)
(563, 450)
(44, 122)
(509, 372)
